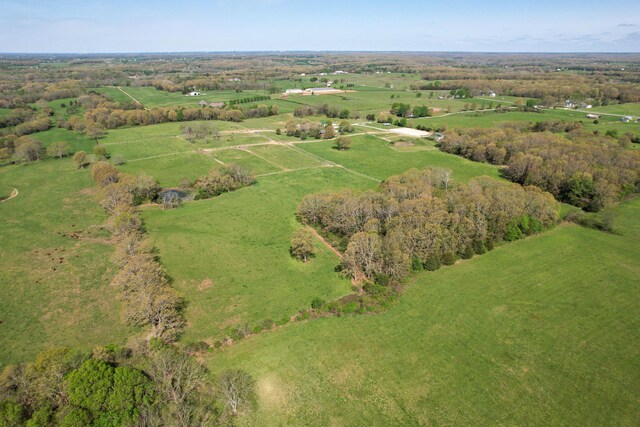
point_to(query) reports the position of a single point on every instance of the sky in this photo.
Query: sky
(90, 26)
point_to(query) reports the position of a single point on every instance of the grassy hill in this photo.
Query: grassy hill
(543, 331)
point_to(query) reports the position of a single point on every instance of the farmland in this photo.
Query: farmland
(466, 339)
(547, 319)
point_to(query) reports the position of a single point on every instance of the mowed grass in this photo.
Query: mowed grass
(54, 289)
(373, 156)
(229, 256)
(543, 331)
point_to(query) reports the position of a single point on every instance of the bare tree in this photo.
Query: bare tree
(237, 390)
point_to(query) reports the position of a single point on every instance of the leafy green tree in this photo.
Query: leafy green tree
(80, 159)
(100, 152)
(343, 143)
(302, 246)
(89, 386)
(58, 149)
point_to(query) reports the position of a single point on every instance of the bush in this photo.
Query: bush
(100, 152)
(432, 263)
(449, 258)
(467, 253)
(350, 307)
(317, 303)
(196, 347)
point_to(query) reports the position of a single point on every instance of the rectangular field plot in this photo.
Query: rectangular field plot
(170, 169)
(286, 157)
(243, 158)
(145, 148)
(373, 157)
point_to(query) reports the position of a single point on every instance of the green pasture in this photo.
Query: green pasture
(150, 97)
(374, 157)
(543, 331)
(54, 288)
(632, 109)
(229, 256)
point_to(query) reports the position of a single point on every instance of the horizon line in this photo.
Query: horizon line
(322, 51)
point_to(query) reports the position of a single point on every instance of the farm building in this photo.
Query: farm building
(593, 116)
(194, 93)
(321, 91)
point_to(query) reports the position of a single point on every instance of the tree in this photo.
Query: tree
(181, 382)
(112, 395)
(104, 173)
(28, 149)
(100, 152)
(302, 246)
(329, 132)
(95, 131)
(363, 255)
(80, 159)
(146, 188)
(343, 143)
(237, 390)
(58, 149)
(345, 127)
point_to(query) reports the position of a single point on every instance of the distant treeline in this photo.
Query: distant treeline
(586, 170)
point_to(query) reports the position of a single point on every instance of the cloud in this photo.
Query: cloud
(627, 25)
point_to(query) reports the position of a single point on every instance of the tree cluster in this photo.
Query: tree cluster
(147, 296)
(586, 170)
(421, 219)
(331, 112)
(116, 386)
(223, 180)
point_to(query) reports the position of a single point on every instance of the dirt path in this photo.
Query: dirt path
(130, 96)
(324, 242)
(14, 193)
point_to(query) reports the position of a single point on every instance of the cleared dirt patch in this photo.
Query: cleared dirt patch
(205, 284)
(410, 132)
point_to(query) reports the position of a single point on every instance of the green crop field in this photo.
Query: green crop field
(543, 331)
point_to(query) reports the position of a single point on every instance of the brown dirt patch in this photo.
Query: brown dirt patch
(205, 284)
(403, 143)
(86, 191)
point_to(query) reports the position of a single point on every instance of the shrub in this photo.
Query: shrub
(80, 159)
(100, 152)
(432, 263)
(449, 258)
(317, 303)
(467, 253)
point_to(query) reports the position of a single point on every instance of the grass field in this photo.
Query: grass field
(496, 340)
(373, 156)
(489, 119)
(150, 97)
(55, 289)
(229, 255)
